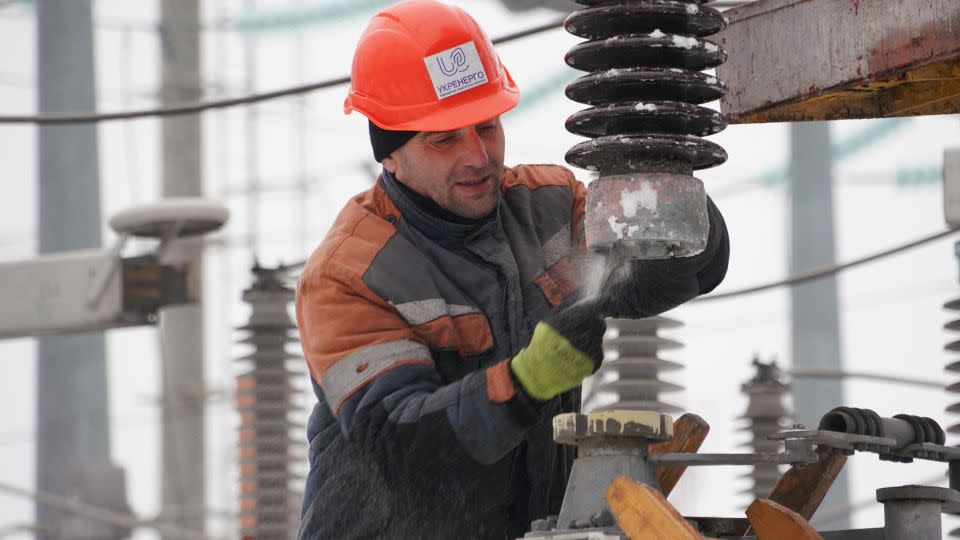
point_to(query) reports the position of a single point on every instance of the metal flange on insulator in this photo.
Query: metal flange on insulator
(645, 88)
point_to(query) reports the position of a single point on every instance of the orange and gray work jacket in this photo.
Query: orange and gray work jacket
(408, 322)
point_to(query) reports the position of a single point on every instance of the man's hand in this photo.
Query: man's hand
(650, 287)
(566, 347)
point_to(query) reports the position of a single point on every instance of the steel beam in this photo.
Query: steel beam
(793, 60)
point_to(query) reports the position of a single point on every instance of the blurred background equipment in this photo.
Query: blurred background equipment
(272, 448)
(97, 466)
(766, 414)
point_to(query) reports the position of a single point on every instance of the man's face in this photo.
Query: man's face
(459, 170)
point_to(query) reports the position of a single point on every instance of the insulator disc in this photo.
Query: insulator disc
(613, 2)
(634, 50)
(622, 153)
(652, 116)
(645, 84)
(601, 22)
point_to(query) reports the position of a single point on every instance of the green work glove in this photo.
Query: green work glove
(566, 347)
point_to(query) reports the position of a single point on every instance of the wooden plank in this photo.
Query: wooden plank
(772, 521)
(644, 514)
(801, 489)
(689, 432)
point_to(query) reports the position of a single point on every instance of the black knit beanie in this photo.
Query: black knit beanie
(385, 141)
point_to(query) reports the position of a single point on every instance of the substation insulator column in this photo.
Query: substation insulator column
(271, 449)
(766, 414)
(645, 122)
(953, 368)
(630, 374)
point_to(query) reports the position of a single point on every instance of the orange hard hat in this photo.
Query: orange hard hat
(426, 66)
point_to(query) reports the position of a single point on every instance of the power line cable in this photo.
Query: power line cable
(818, 273)
(819, 373)
(200, 106)
(96, 513)
(841, 151)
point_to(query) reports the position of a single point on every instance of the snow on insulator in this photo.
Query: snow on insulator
(271, 447)
(766, 414)
(630, 374)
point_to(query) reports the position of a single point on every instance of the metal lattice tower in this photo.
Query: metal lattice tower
(632, 366)
(270, 455)
(766, 414)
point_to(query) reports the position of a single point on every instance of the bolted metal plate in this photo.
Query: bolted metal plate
(652, 116)
(650, 83)
(572, 427)
(600, 22)
(654, 50)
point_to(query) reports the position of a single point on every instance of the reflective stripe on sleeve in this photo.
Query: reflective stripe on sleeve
(557, 247)
(424, 311)
(358, 368)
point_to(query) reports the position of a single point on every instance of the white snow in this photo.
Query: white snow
(645, 197)
(710, 47)
(617, 227)
(645, 106)
(684, 42)
(693, 9)
(657, 33)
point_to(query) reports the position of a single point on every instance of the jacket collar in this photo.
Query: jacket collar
(431, 220)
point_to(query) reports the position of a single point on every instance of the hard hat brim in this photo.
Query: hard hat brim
(460, 111)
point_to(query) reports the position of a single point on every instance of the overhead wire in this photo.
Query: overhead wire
(96, 513)
(817, 273)
(200, 106)
(821, 373)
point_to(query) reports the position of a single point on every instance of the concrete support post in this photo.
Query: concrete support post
(815, 332)
(181, 327)
(73, 435)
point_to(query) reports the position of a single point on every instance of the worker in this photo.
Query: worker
(441, 317)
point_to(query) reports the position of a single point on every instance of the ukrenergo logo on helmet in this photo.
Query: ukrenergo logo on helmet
(456, 69)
